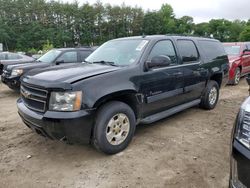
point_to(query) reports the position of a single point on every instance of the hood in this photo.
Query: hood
(26, 66)
(14, 62)
(53, 77)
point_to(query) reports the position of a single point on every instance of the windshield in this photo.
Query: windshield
(232, 50)
(118, 52)
(49, 57)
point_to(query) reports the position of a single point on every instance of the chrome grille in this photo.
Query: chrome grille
(34, 98)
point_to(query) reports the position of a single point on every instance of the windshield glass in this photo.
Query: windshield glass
(232, 50)
(50, 56)
(119, 52)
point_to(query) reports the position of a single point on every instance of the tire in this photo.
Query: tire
(236, 79)
(112, 135)
(210, 96)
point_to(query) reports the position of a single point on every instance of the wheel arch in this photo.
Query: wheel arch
(217, 77)
(128, 97)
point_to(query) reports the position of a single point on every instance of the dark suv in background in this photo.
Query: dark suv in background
(7, 58)
(240, 147)
(12, 73)
(123, 83)
(239, 60)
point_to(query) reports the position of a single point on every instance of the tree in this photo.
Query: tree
(245, 34)
(185, 25)
(202, 29)
(152, 23)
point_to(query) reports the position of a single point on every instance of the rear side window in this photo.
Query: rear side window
(164, 47)
(188, 51)
(212, 49)
(84, 54)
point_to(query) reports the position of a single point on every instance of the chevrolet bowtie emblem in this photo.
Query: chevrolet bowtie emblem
(26, 94)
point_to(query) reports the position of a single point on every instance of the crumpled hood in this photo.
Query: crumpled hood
(66, 74)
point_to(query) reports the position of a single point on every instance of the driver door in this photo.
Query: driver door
(162, 87)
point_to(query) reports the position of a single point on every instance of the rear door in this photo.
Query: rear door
(194, 74)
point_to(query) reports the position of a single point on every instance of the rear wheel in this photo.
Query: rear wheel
(114, 128)
(237, 75)
(211, 96)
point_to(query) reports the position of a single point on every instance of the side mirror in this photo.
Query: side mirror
(58, 62)
(158, 62)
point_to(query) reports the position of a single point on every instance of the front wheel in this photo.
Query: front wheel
(114, 127)
(210, 96)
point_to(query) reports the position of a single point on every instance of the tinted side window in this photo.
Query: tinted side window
(84, 54)
(212, 49)
(13, 56)
(166, 48)
(68, 57)
(188, 50)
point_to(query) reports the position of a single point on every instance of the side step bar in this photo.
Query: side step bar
(169, 112)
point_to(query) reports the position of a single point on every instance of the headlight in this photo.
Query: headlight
(65, 101)
(242, 132)
(17, 72)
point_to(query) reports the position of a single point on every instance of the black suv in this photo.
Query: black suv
(123, 83)
(12, 73)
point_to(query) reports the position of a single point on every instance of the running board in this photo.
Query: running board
(169, 112)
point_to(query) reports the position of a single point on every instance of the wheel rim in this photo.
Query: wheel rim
(117, 129)
(237, 77)
(213, 96)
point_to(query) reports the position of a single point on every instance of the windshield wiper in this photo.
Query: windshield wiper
(106, 63)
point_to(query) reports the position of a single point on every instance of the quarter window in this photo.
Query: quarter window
(214, 50)
(188, 51)
(166, 48)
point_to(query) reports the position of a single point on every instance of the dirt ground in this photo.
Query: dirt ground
(190, 149)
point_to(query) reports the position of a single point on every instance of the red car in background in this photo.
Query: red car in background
(239, 60)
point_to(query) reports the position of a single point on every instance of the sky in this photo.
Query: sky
(200, 10)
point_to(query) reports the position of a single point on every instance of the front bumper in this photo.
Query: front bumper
(11, 82)
(240, 166)
(73, 127)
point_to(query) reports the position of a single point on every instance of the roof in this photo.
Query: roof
(152, 37)
(80, 48)
(235, 43)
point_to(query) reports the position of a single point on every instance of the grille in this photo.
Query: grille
(34, 98)
(246, 119)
